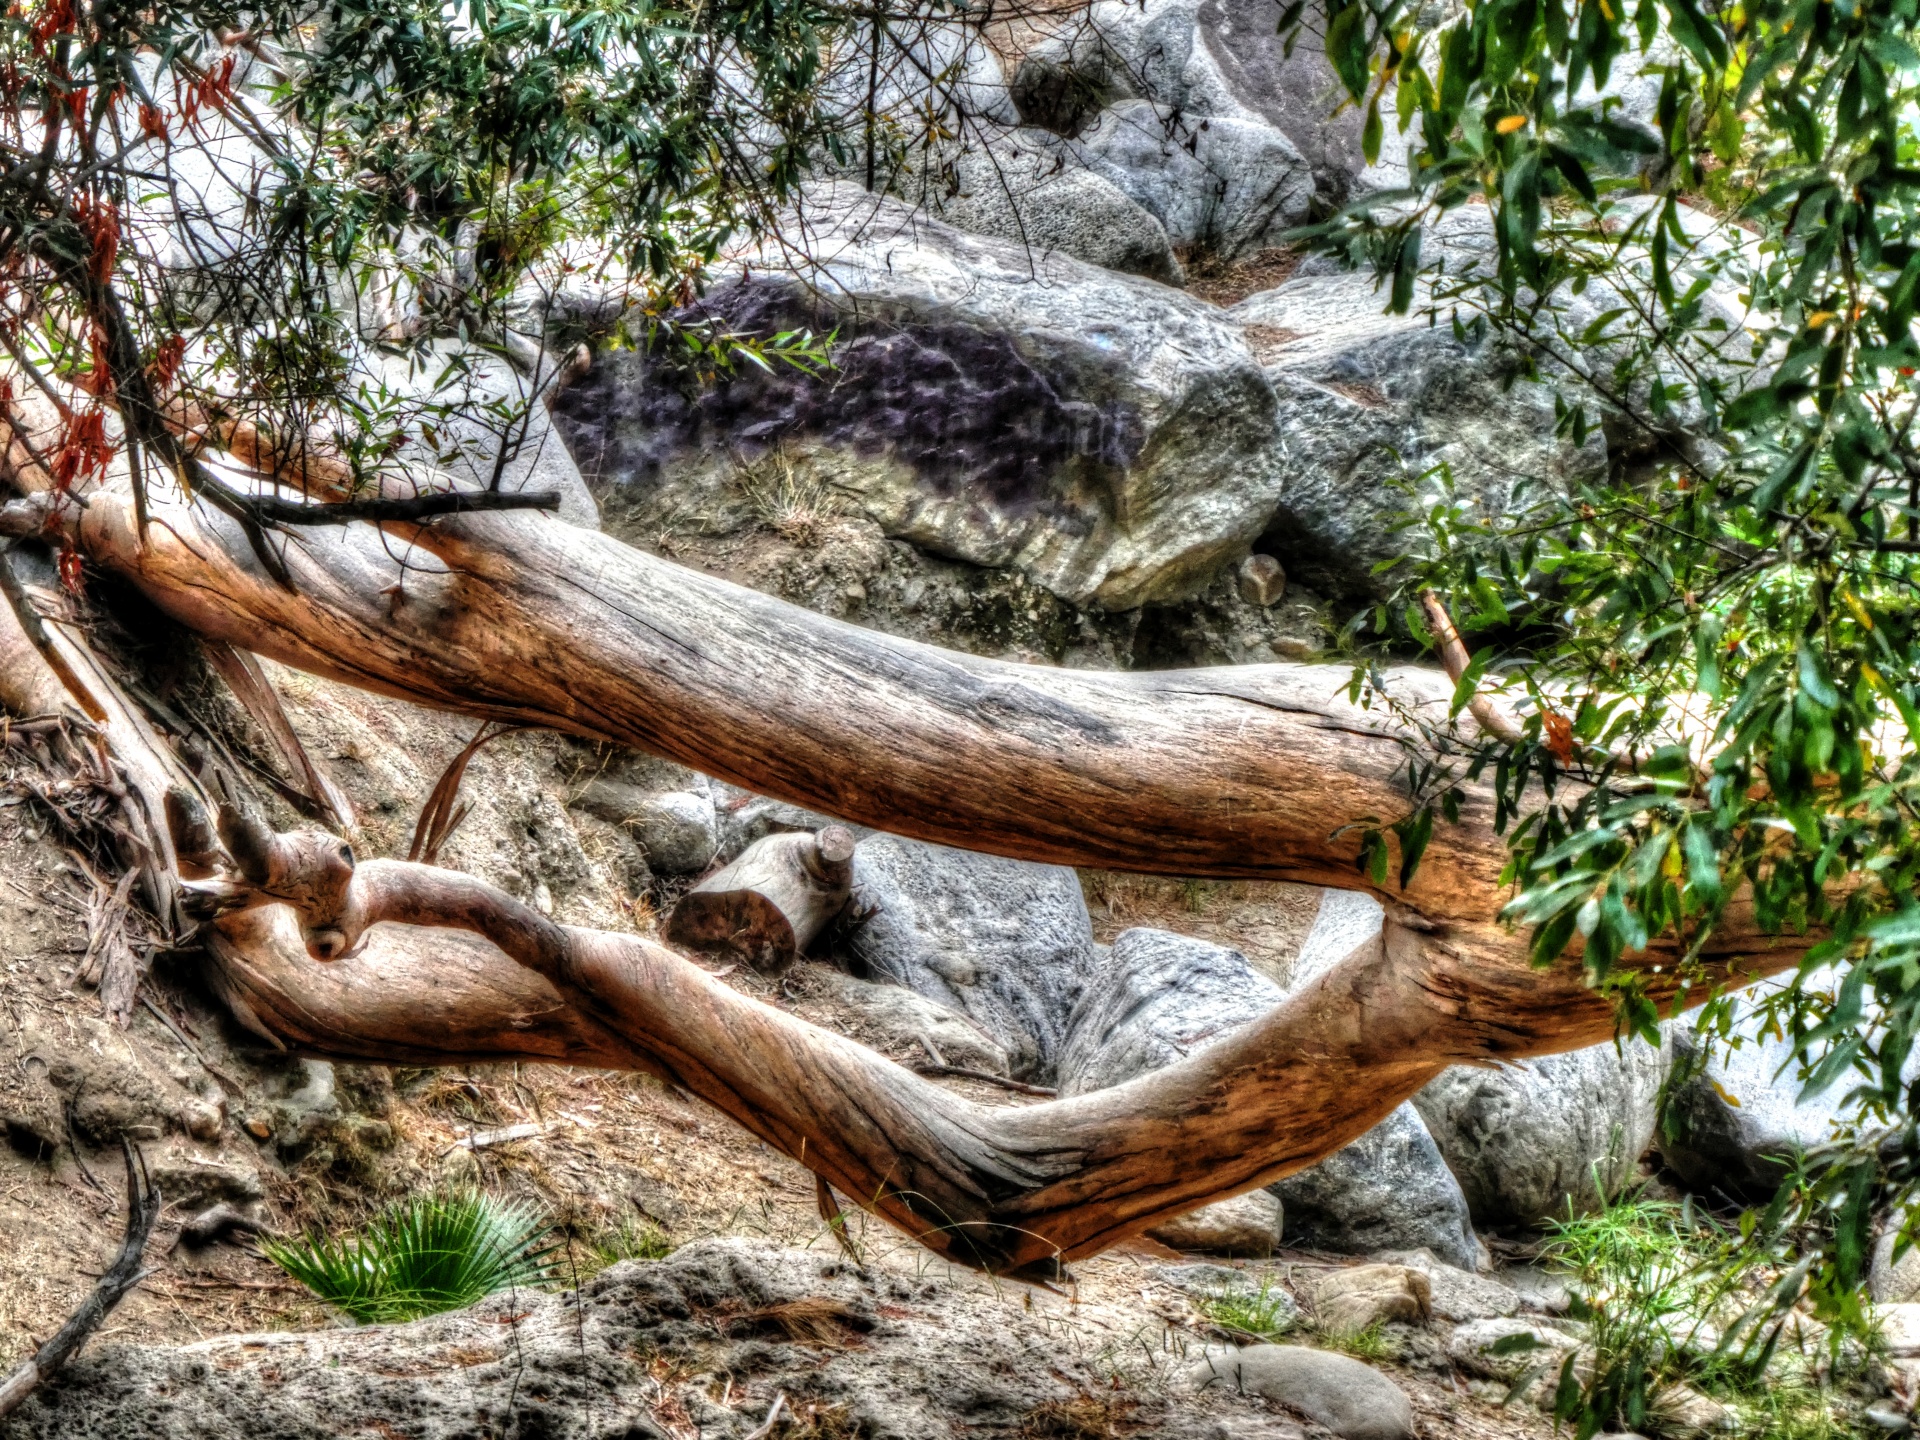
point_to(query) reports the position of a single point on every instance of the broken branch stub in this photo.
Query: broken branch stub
(769, 905)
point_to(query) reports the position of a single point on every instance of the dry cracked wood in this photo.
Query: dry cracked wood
(1003, 1187)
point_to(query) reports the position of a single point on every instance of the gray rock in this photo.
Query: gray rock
(1371, 402)
(1004, 942)
(677, 830)
(1457, 1294)
(1506, 1349)
(1205, 59)
(1354, 1401)
(1018, 190)
(894, 1018)
(494, 419)
(1737, 1150)
(1108, 437)
(1153, 1000)
(1891, 1281)
(1201, 1279)
(1389, 1190)
(1527, 1140)
(1242, 1225)
(1230, 185)
(1156, 997)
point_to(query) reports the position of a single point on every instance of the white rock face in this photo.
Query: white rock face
(1527, 1140)
(1017, 189)
(1233, 186)
(1109, 437)
(1733, 1123)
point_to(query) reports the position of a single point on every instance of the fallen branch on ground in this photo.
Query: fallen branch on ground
(143, 1208)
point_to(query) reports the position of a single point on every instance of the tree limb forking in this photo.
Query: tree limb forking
(1248, 771)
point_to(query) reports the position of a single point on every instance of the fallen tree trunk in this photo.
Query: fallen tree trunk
(1232, 772)
(1004, 1188)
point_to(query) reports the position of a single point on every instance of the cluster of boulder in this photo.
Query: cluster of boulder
(1001, 955)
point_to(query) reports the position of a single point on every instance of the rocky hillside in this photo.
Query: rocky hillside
(1086, 409)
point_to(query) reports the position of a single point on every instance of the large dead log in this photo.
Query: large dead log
(771, 903)
(1005, 1188)
(1248, 771)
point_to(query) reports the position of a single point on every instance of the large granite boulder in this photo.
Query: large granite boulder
(1108, 437)
(1530, 1139)
(1205, 61)
(1229, 186)
(1004, 942)
(1738, 1116)
(1017, 189)
(1156, 997)
(1372, 404)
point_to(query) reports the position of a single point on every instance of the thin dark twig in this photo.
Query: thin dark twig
(143, 1208)
(961, 1072)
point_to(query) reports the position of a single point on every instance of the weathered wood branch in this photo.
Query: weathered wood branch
(771, 903)
(1000, 1187)
(143, 1208)
(1251, 771)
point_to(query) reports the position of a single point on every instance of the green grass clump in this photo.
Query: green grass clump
(633, 1240)
(1672, 1296)
(1261, 1314)
(422, 1256)
(1370, 1344)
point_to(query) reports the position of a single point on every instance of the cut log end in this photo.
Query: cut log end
(770, 904)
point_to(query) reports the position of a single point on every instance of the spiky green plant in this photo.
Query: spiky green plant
(424, 1255)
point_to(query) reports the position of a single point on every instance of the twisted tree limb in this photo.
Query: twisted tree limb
(1000, 1187)
(1250, 771)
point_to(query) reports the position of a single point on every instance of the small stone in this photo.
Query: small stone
(1354, 1401)
(1459, 1294)
(1900, 1326)
(856, 594)
(202, 1119)
(1683, 1413)
(1503, 1349)
(1346, 1302)
(1243, 1225)
(1262, 580)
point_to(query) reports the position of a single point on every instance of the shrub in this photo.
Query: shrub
(422, 1256)
(1672, 1296)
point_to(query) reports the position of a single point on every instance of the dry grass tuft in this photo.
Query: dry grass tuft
(811, 1320)
(1085, 1417)
(792, 500)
